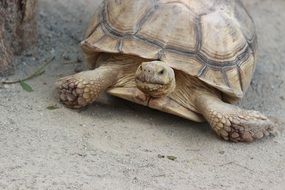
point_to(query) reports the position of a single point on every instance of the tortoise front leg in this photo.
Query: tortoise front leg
(231, 122)
(81, 89)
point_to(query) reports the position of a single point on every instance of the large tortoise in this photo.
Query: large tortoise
(191, 58)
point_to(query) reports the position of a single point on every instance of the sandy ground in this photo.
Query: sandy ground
(115, 144)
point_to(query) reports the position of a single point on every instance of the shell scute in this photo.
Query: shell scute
(213, 40)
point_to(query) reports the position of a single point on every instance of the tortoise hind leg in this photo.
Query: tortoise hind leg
(81, 89)
(231, 122)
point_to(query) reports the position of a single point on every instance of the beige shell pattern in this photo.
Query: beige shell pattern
(213, 40)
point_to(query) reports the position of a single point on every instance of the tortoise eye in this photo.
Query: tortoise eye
(161, 72)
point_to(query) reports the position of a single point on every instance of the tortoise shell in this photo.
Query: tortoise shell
(213, 40)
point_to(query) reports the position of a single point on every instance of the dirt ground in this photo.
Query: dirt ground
(115, 144)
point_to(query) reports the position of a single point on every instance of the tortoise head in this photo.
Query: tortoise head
(155, 78)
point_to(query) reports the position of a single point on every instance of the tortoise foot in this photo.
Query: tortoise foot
(241, 125)
(76, 92)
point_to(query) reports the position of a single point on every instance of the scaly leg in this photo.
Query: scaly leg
(83, 88)
(231, 122)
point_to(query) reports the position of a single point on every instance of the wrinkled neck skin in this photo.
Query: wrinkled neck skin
(156, 79)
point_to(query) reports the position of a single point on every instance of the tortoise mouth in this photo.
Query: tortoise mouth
(142, 78)
(145, 85)
(155, 90)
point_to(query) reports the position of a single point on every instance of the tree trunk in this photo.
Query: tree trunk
(5, 49)
(18, 29)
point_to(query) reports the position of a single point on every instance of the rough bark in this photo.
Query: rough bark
(5, 49)
(18, 29)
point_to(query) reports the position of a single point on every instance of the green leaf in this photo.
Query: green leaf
(26, 87)
(172, 158)
(53, 107)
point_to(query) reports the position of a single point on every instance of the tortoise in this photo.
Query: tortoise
(191, 58)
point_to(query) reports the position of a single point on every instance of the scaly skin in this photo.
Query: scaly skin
(233, 123)
(228, 121)
(81, 89)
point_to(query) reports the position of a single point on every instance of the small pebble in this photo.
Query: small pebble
(66, 57)
(78, 69)
(221, 152)
(79, 60)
